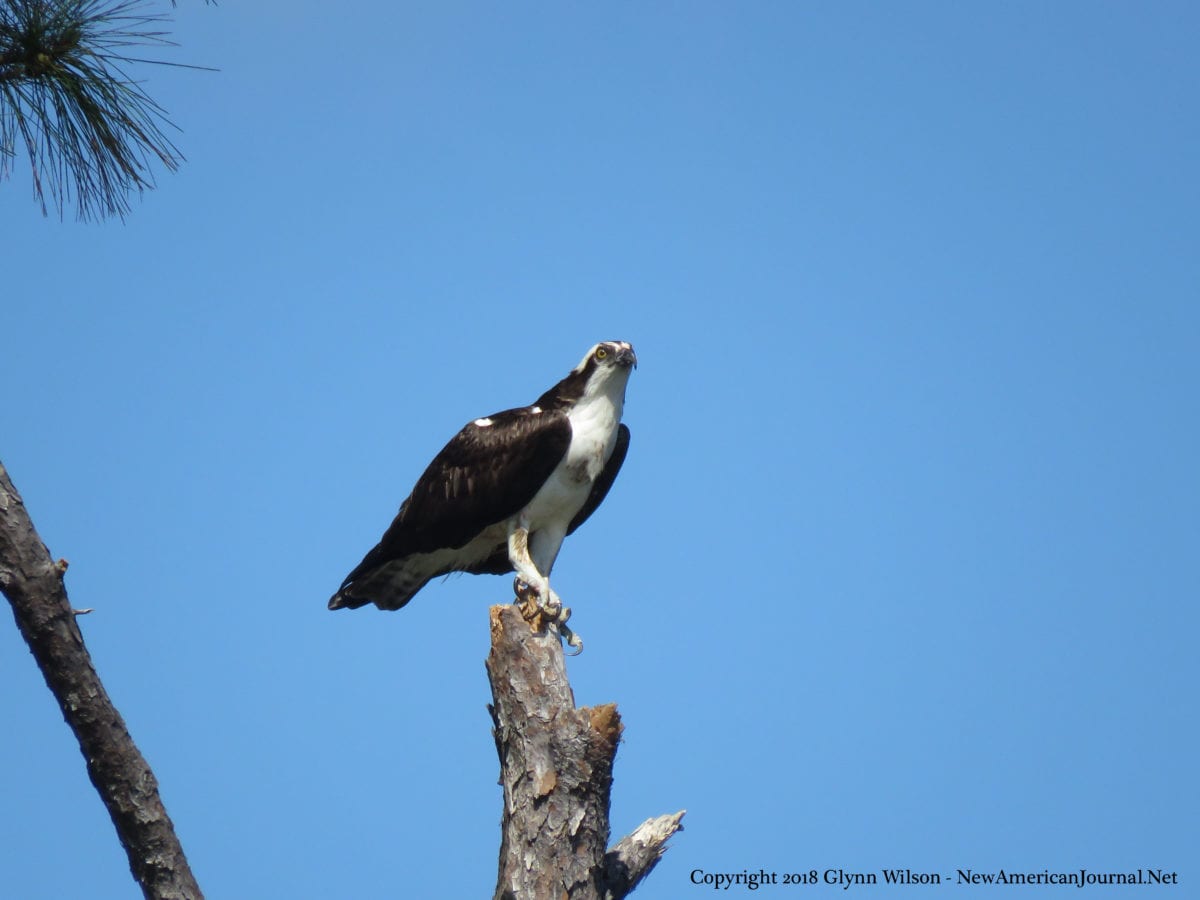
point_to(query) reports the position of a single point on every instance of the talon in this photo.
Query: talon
(527, 599)
(574, 641)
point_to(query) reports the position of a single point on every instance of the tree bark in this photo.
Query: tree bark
(556, 770)
(33, 583)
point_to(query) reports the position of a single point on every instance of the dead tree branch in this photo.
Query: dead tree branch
(33, 584)
(556, 770)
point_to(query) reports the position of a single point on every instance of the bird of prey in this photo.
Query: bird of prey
(505, 491)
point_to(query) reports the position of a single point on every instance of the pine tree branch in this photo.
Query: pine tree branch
(556, 770)
(631, 858)
(33, 584)
(91, 134)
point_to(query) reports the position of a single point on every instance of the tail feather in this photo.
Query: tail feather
(342, 600)
(389, 586)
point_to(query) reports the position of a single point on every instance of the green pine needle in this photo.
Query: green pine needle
(89, 130)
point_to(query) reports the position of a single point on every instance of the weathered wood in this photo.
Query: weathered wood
(33, 583)
(556, 770)
(631, 858)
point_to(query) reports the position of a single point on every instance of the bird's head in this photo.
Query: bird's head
(606, 369)
(617, 355)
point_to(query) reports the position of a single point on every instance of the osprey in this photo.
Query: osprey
(505, 491)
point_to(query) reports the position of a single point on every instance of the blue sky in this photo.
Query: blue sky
(901, 569)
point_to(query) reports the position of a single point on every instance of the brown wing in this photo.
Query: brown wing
(483, 476)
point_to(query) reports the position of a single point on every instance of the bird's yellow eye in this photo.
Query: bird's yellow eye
(601, 353)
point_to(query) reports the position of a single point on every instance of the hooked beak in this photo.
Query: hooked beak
(626, 357)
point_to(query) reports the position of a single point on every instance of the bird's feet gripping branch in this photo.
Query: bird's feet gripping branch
(540, 606)
(552, 614)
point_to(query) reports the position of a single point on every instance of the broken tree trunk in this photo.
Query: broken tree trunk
(556, 770)
(33, 583)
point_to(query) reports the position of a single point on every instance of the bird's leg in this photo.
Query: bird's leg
(528, 575)
(539, 603)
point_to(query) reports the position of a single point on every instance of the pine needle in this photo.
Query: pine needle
(90, 132)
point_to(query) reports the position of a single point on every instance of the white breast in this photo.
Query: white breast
(594, 423)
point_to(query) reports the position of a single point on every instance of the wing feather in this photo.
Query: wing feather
(482, 476)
